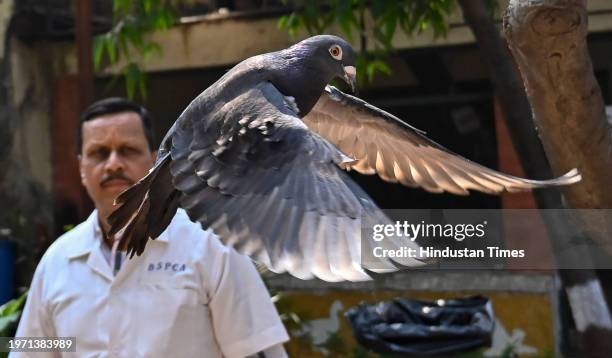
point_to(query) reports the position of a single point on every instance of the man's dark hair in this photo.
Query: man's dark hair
(116, 105)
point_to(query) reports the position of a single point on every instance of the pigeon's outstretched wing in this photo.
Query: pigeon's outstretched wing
(383, 144)
(271, 188)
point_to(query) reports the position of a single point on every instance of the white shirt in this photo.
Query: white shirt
(187, 295)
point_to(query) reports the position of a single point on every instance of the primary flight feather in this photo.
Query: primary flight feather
(260, 155)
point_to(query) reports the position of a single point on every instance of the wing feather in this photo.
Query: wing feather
(383, 144)
(273, 189)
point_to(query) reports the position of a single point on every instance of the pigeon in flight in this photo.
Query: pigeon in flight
(260, 157)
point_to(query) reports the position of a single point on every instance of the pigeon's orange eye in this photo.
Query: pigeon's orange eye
(336, 52)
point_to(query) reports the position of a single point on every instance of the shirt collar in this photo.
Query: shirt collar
(88, 236)
(84, 239)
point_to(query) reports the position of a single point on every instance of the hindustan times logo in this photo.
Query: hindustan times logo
(404, 229)
(447, 252)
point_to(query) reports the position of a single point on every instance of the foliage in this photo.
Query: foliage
(133, 21)
(373, 23)
(385, 17)
(410, 15)
(9, 315)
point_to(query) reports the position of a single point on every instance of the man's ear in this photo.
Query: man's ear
(82, 173)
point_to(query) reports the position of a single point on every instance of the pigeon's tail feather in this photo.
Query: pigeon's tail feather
(146, 208)
(129, 201)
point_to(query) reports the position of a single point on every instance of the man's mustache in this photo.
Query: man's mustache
(115, 176)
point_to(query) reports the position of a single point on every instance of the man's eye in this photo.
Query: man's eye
(129, 151)
(99, 153)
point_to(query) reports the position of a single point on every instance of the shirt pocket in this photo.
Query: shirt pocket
(176, 320)
(182, 289)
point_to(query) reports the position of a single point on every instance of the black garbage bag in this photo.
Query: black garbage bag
(421, 328)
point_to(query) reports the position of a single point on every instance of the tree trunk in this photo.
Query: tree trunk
(548, 40)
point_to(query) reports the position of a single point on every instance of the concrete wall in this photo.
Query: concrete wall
(6, 10)
(25, 180)
(217, 40)
(31, 97)
(29, 92)
(524, 306)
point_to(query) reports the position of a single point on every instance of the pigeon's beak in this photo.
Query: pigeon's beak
(350, 76)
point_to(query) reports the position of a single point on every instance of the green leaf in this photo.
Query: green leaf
(135, 80)
(283, 22)
(346, 17)
(123, 45)
(151, 49)
(10, 313)
(389, 27)
(382, 67)
(8, 321)
(121, 7)
(99, 44)
(163, 20)
(293, 24)
(131, 79)
(133, 34)
(147, 5)
(12, 306)
(111, 48)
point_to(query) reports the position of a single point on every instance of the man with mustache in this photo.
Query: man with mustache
(186, 296)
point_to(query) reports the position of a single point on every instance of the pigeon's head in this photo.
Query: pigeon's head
(333, 56)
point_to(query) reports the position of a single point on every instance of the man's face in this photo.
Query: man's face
(115, 154)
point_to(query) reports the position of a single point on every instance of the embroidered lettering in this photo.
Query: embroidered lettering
(166, 266)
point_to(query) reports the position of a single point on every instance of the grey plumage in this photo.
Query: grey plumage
(397, 152)
(259, 157)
